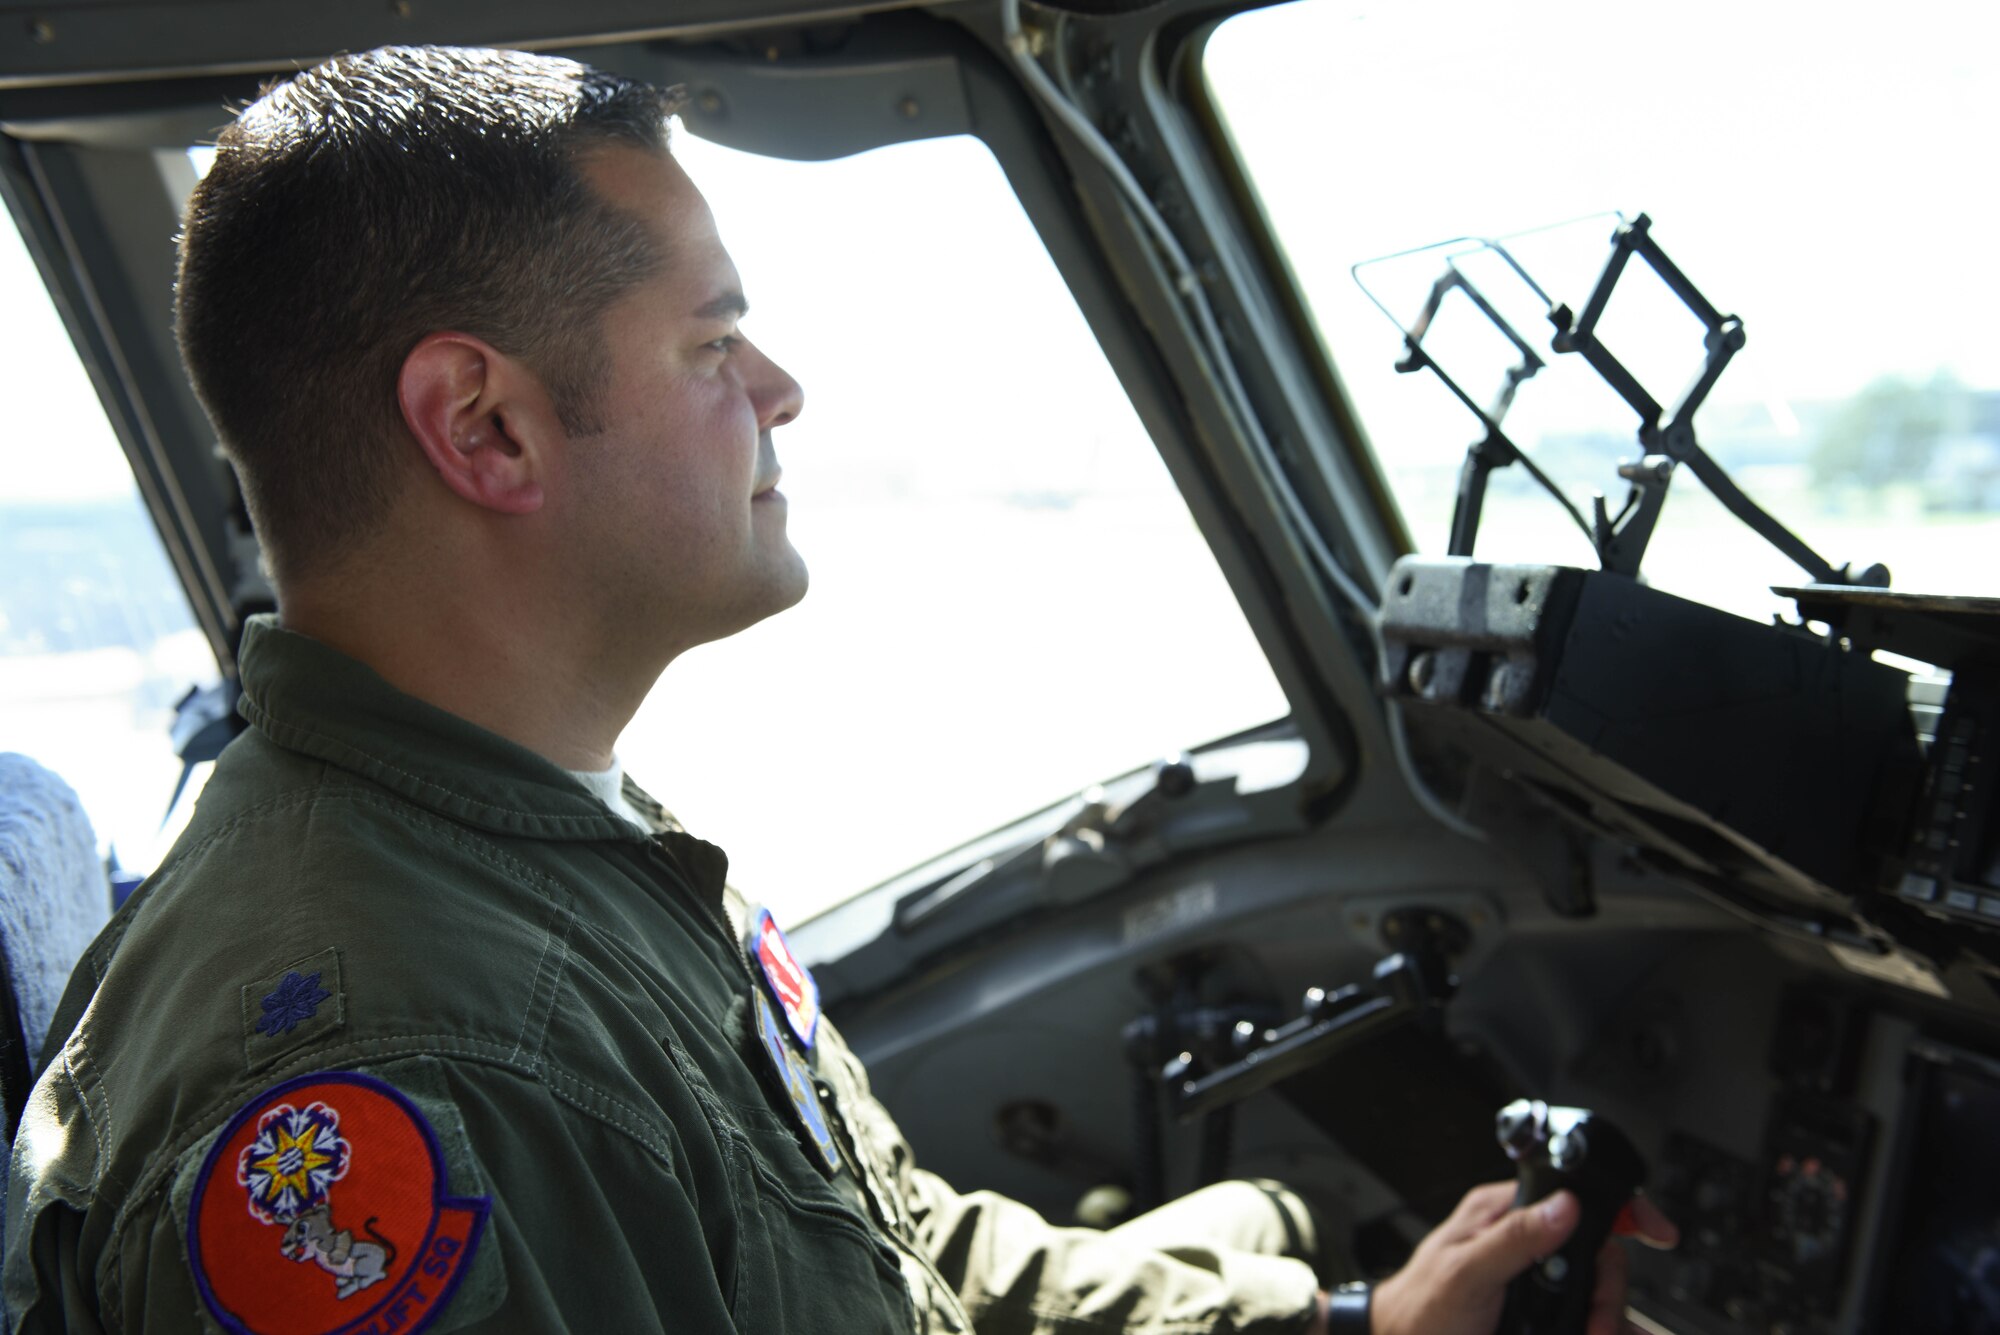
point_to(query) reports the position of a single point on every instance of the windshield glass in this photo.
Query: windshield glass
(1009, 598)
(1824, 180)
(96, 639)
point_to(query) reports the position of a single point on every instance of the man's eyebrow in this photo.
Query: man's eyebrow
(728, 304)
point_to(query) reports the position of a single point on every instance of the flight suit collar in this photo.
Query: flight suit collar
(315, 700)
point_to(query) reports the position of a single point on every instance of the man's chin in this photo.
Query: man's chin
(783, 590)
(795, 589)
(789, 579)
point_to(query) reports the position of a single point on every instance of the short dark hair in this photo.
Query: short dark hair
(373, 200)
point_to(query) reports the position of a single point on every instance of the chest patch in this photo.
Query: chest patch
(321, 1211)
(791, 983)
(797, 1079)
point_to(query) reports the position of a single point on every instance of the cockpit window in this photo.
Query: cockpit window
(1824, 181)
(96, 639)
(1010, 601)
(1009, 598)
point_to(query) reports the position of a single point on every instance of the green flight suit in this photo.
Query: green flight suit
(376, 887)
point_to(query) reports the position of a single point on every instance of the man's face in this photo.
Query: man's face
(674, 503)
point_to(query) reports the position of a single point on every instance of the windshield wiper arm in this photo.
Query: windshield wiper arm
(1101, 844)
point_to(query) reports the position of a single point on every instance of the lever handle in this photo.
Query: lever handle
(1557, 1149)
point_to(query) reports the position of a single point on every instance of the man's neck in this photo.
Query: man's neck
(553, 693)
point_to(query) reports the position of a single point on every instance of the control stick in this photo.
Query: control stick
(1555, 1149)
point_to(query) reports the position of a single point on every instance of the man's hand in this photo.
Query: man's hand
(1456, 1281)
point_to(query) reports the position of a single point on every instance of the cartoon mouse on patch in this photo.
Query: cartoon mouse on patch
(311, 1236)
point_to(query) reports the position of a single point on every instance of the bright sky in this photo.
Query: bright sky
(54, 442)
(1823, 171)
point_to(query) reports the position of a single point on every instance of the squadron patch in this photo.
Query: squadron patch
(321, 1211)
(791, 983)
(799, 1085)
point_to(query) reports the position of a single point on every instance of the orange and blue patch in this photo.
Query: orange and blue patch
(321, 1210)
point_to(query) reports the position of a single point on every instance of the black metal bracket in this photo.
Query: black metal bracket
(1493, 449)
(1665, 444)
(1408, 987)
(205, 721)
(1182, 1031)
(1666, 435)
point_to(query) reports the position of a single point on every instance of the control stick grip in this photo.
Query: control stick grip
(1557, 1149)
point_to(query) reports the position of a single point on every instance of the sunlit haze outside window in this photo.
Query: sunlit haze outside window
(1823, 174)
(96, 641)
(1010, 600)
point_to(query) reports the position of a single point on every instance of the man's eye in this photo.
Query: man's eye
(723, 344)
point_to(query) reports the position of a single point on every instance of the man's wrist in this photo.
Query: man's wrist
(1348, 1310)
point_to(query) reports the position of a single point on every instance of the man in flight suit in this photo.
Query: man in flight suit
(429, 1021)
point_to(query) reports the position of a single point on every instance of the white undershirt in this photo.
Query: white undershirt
(608, 787)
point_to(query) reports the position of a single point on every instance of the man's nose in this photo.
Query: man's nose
(779, 397)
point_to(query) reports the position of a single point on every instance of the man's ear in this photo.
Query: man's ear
(482, 420)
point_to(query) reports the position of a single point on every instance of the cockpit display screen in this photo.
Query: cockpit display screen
(1944, 1275)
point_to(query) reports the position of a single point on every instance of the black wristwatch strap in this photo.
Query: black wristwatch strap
(1347, 1310)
